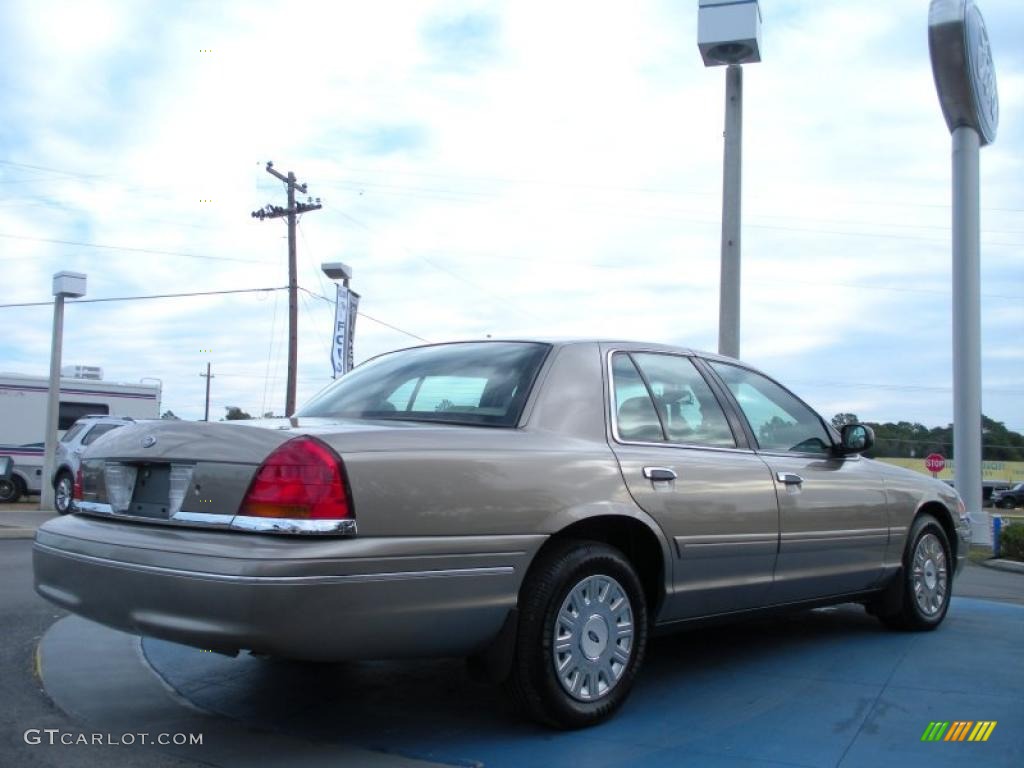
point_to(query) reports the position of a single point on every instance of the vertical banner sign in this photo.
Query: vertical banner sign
(353, 309)
(345, 308)
(341, 338)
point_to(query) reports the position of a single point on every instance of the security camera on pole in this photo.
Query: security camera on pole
(965, 78)
(729, 33)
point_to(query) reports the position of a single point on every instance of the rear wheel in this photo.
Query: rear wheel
(582, 635)
(1008, 503)
(10, 490)
(63, 487)
(926, 579)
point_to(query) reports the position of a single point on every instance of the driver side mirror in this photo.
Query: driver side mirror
(856, 438)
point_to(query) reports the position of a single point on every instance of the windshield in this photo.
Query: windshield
(483, 383)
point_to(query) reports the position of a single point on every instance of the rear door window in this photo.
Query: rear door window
(689, 410)
(98, 431)
(74, 432)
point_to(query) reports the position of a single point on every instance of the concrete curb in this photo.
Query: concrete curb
(11, 532)
(1001, 564)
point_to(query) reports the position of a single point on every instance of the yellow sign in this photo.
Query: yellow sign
(1009, 472)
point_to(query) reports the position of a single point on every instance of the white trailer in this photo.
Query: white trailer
(23, 417)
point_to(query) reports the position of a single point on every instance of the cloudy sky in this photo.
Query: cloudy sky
(517, 168)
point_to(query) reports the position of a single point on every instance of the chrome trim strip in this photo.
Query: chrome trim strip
(769, 537)
(855, 533)
(613, 416)
(500, 570)
(91, 507)
(345, 527)
(274, 525)
(204, 519)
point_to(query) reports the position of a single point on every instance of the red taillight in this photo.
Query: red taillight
(76, 489)
(302, 480)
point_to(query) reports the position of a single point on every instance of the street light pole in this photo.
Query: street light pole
(65, 284)
(732, 184)
(729, 33)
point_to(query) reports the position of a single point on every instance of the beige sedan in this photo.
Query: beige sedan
(538, 507)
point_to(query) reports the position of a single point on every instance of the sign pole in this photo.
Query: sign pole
(967, 475)
(965, 79)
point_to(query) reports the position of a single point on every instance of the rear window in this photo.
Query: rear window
(484, 383)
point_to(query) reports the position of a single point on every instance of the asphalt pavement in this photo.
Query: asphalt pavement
(25, 706)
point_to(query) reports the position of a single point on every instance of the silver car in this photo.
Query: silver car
(538, 507)
(83, 433)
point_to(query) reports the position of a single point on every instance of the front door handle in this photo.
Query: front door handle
(659, 474)
(788, 478)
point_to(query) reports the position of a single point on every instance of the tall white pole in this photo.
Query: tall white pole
(732, 179)
(52, 404)
(967, 329)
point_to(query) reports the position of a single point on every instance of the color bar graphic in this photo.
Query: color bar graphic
(959, 730)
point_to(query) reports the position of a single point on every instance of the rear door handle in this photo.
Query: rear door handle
(659, 474)
(788, 478)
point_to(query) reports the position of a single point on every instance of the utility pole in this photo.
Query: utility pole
(291, 212)
(207, 376)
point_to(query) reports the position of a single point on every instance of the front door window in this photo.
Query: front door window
(780, 422)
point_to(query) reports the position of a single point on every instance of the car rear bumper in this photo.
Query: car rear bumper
(287, 596)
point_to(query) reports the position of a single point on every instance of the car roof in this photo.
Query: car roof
(561, 341)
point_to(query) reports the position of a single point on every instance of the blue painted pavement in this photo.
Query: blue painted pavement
(830, 687)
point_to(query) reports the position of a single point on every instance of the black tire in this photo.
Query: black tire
(11, 489)
(924, 612)
(533, 683)
(1008, 503)
(62, 501)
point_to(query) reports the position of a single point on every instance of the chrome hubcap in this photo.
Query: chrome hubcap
(593, 638)
(929, 576)
(63, 493)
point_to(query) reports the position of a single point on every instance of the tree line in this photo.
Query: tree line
(904, 440)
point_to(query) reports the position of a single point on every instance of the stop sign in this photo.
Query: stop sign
(935, 462)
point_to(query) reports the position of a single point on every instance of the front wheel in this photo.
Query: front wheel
(926, 579)
(1008, 503)
(582, 635)
(62, 491)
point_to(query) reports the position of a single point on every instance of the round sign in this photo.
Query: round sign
(982, 73)
(935, 462)
(965, 75)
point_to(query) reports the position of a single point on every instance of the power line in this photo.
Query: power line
(462, 195)
(150, 296)
(620, 188)
(904, 387)
(368, 317)
(122, 248)
(442, 268)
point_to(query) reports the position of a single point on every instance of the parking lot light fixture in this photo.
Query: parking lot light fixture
(65, 285)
